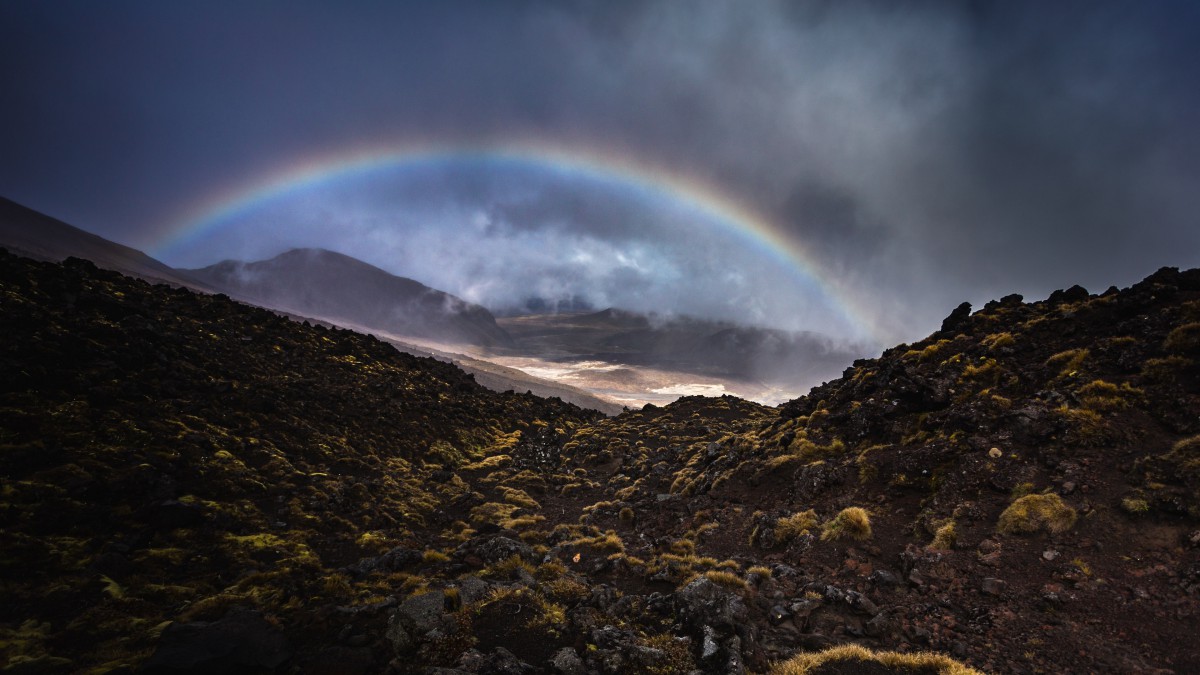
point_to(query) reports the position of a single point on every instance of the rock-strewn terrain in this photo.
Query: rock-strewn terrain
(191, 485)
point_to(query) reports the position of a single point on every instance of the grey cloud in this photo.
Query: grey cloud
(922, 152)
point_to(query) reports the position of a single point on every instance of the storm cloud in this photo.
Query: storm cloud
(922, 153)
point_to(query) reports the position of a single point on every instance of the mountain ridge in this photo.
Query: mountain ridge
(336, 286)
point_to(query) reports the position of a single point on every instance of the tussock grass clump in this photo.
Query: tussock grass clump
(1104, 396)
(1184, 339)
(1184, 457)
(1188, 448)
(521, 521)
(790, 527)
(927, 353)
(830, 659)
(492, 512)
(1067, 361)
(1037, 512)
(488, 463)
(853, 522)
(998, 341)
(726, 579)
(431, 556)
(520, 498)
(609, 542)
(545, 615)
(761, 570)
(1084, 426)
(945, 537)
(1135, 505)
(1165, 369)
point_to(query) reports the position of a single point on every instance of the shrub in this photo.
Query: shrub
(853, 522)
(1036, 512)
(627, 515)
(790, 527)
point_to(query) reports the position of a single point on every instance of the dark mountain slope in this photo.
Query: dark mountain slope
(196, 486)
(1028, 479)
(28, 232)
(168, 455)
(316, 282)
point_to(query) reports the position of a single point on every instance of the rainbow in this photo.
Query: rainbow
(738, 218)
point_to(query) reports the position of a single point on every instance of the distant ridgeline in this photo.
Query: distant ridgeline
(191, 485)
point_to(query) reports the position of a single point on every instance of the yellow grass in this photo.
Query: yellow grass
(810, 662)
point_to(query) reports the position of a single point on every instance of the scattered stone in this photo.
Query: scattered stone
(813, 642)
(881, 624)
(883, 578)
(499, 548)
(993, 587)
(567, 662)
(708, 646)
(417, 616)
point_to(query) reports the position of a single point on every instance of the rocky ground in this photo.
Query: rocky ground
(191, 485)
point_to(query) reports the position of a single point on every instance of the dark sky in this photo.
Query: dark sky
(923, 153)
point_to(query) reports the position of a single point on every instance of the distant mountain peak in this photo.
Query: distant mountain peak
(339, 287)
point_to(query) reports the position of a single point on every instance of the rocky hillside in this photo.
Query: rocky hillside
(172, 456)
(329, 285)
(191, 485)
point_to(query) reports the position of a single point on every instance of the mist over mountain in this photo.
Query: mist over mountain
(338, 287)
(686, 344)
